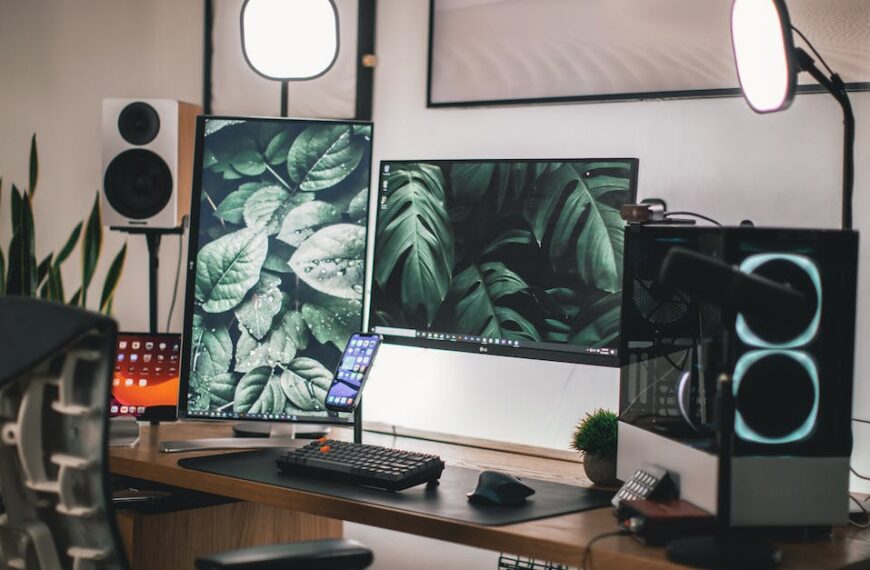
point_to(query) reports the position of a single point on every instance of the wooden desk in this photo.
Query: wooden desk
(558, 539)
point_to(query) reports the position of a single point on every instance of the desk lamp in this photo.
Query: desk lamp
(289, 40)
(768, 63)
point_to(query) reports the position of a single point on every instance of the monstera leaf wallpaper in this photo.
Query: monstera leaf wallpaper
(527, 251)
(280, 266)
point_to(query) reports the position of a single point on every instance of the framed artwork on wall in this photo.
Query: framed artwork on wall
(487, 52)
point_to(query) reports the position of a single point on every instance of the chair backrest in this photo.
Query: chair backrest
(55, 374)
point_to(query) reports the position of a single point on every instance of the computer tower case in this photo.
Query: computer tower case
(792, 384)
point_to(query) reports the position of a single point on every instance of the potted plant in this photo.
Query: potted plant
(595, 438)
(21, 273)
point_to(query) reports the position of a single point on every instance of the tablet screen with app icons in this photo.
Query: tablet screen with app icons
(146, 378)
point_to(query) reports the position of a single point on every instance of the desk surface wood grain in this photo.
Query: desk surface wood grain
(557, 539)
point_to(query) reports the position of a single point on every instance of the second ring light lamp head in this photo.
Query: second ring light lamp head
(290, 40)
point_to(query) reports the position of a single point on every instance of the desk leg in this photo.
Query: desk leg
(175, 540)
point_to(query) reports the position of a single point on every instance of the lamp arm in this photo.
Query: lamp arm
(835, 86)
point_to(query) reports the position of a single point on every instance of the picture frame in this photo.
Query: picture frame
(504, 52)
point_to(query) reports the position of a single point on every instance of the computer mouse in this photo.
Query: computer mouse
(498, 488)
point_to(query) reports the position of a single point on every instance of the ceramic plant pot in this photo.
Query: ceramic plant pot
(600, 469)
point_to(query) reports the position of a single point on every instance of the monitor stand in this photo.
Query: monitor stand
(280, 435)
(267, 429)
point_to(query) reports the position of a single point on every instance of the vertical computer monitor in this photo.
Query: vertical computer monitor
(276, 266)
(510, 257)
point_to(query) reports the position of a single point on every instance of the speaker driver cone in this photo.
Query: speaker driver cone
(138, 184)
(139, 123)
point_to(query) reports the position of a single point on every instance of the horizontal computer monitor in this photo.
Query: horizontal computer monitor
(276, 266)
(145, 382)
(509, 257)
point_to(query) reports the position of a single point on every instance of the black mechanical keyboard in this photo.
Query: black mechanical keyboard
(361, 464)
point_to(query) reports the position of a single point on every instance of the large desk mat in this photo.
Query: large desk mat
(447, 500)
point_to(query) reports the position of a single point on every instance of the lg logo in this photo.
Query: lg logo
(484, 349)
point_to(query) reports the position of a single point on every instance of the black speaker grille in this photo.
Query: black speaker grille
(138, 184)
(139, 123)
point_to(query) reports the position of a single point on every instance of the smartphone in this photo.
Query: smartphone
(353, 370)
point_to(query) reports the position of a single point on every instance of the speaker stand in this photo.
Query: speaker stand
(152, 239)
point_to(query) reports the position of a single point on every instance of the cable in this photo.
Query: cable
(175, 287)
(813, 49)
(860, 421)
(863, 510)
(588, 549)
(711, 220)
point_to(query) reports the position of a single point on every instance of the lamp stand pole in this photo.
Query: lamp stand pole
(835, 86)
(284, 85)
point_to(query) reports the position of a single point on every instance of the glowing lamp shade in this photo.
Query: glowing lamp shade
(290, 39)
(763, 47)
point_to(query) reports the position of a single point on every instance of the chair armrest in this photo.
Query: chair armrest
(310, 555)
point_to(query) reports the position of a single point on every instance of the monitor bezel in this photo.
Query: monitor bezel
(190, 272)
(610, 361)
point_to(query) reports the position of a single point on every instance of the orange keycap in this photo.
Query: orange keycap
(325, 449)
(322, 440)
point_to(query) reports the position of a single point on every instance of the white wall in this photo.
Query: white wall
(59, 59)
(708, 155)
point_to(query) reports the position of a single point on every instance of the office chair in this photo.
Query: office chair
(55, 373)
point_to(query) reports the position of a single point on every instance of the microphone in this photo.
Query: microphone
(725, 286)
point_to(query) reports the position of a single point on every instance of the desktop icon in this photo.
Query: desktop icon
(114, 409)
(122, 345)
(143, 382)
(124, 409)
(116, 382)
(121, 357)
(128, 382)
(146, 358)
(149, 345)
(136, 345)
(162, 346)
(134, 357)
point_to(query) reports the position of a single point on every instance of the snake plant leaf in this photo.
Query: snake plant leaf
(231, 208)
(267, 207)
(55, 285)
(332, 260)
(278, 256)
(22, 272)
(111, 283)
(17, 209)
(585, 227)
(70, 244)
(305, 219)
(259, 392)
(249, 163)
(322, 156)
(212, 348)
(75, 300)
(477, 290)
(598, 324)
(417, 238)
(42, 269)
(227, 268)
(333, 319)
(278, 147)
(2, 273)
(214, 125)
(305, 383)
(209, 158)
(34, 166)
(91, 245)
(358, 209)
(261, 305)
(509, 237)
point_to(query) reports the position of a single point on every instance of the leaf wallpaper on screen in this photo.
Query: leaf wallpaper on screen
(281, 263)
(512, 250)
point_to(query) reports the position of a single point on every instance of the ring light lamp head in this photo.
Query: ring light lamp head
(290, 40)
(764, 53)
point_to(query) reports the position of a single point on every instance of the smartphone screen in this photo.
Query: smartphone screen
(353, 369)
